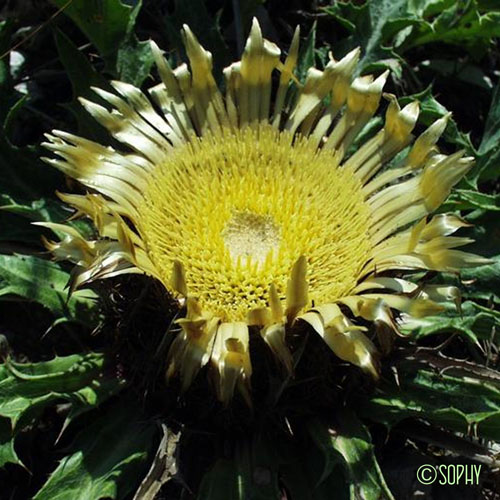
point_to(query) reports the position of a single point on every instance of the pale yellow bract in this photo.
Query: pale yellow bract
(247, 208)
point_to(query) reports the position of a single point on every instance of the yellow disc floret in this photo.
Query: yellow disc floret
(238, 209)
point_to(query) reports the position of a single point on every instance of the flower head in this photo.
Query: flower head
(250, 208)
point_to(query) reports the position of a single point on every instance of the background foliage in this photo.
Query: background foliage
(75, 422)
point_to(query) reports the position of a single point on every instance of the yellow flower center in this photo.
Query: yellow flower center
(238, 208)
(249, 236)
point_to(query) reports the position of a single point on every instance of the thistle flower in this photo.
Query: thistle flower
(247, 207)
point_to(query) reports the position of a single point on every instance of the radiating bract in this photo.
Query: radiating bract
(245, 205)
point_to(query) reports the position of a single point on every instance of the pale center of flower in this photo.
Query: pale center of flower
(250, 236)
(238, 208)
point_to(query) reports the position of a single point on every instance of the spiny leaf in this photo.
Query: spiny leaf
(475, 322)
(25, 389)
(470, 199)
(19, 167)
(460, 71)
(368, 24)
(491, 135)
(6, 92)
(17, 215)
(454, 402)
(91, 396)
(134, 61)
(386, 29)
(32, 201)
(307, 54)
(462, 24)
(104, 22)
(107, 459)
(488, 165)
(350, 444)
(82, 76)
(45, 282)
(7, 452)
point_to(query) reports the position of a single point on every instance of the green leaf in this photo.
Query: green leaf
(307, 54)
(18, 215)
(453, 402)
(350, 443)
(134, 61)
(484, 282)
(107, 460)
(386, 29)
(19, 167)
(45, 282)
(460, 24)
(20, 196)
(12, 113)
(6, 91)
(459, 71)
(16, 219)
(91, 396)
(7, 452)
(368, 25)
(491, 135)
(25, 389)
(44, 209)
(310, 471)
(470, 199)
(104, 22)
(488, 165)
(78, 68)
(484, 232)
(82, 76)
(5, 34)
(23, 197)
(322, 439)
(475, 322)
(17, 229)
